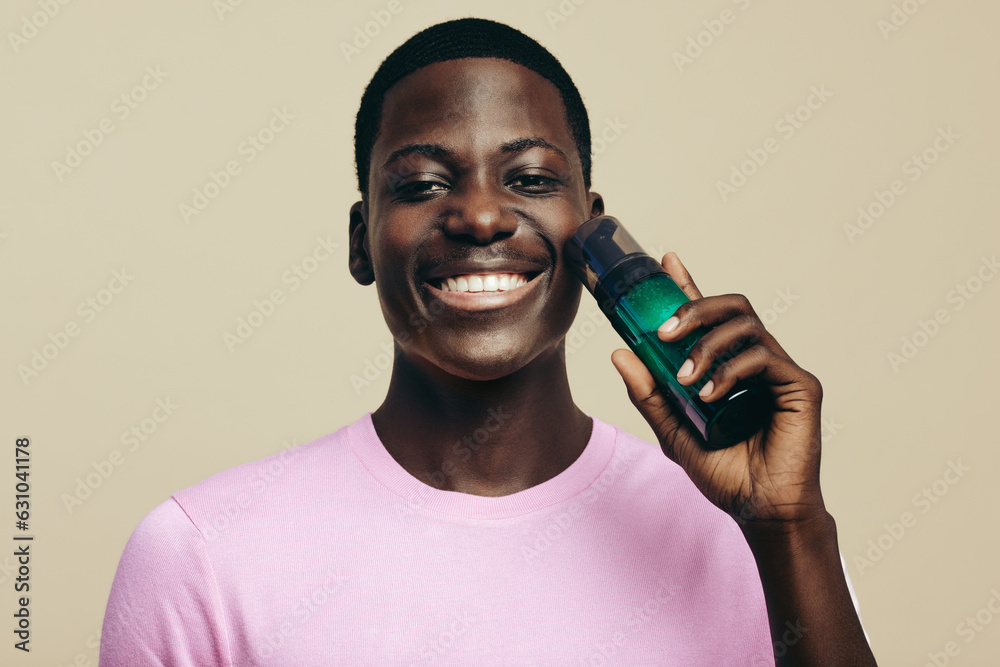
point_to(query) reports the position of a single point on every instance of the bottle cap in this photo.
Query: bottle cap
(606, 258)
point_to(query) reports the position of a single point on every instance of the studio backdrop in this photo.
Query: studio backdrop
(176, 183)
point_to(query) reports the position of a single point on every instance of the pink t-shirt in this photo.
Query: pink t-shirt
(332, 554)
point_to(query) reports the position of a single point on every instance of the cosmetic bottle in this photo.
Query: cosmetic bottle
(637, 295)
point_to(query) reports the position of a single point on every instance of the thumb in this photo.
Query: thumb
(652, 402)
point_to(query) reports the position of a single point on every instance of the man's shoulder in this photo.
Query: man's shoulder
(669, 516)
(292, 472)
(651, 479)
(646, 462)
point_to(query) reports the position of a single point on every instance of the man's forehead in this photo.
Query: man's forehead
(473, 78)
(482, 100)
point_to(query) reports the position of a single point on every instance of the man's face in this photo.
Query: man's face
(475, 184)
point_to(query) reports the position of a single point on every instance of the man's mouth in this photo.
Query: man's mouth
(477, 285)
(483, 282)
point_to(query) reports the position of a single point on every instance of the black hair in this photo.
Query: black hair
(465, 38)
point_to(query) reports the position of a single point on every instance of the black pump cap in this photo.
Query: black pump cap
(606, 258)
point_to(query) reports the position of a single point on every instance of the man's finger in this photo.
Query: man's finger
(672, 265)
(650, 401)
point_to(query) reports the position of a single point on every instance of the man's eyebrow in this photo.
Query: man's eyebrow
(436, 151)
(519, 145)
(439, 152)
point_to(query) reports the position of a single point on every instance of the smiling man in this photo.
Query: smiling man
(471, 187)
(478, 516)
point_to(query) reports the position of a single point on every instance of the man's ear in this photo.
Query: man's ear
(359, 261)
(596, 204)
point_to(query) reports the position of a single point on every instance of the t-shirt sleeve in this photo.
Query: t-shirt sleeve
(164, 609)
(854, 598)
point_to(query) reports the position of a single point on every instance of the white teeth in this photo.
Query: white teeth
(487, 282)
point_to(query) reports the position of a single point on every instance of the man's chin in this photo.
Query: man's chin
(481, 364)
(482, 368)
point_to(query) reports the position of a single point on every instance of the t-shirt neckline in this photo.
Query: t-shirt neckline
(416, 495)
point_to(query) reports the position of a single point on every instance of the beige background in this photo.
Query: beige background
(890, 433)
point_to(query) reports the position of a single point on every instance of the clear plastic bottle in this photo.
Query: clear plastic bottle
(637, 296)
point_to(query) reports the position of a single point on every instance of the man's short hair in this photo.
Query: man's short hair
(465, 38)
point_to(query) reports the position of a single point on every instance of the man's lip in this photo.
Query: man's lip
(467, 267)
(479, 301)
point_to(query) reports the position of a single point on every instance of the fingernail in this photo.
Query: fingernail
(685, 369)
(670, 324)
(707, 389)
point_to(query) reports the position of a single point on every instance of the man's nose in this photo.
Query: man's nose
(479, 214)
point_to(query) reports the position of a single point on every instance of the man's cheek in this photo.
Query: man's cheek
(417, 323)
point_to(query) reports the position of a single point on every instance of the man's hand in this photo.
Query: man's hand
(769, 483)
(773, 476)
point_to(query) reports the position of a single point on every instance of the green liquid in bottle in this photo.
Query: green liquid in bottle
(637, 317)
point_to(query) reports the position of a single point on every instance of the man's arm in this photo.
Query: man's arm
(770, 482)
(164, 606)
(812, 617)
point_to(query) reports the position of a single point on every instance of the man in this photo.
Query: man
(478, 516)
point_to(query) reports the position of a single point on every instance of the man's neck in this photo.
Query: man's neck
(484, 438)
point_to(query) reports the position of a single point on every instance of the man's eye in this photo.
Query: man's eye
(420, 189)
(534, 183)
